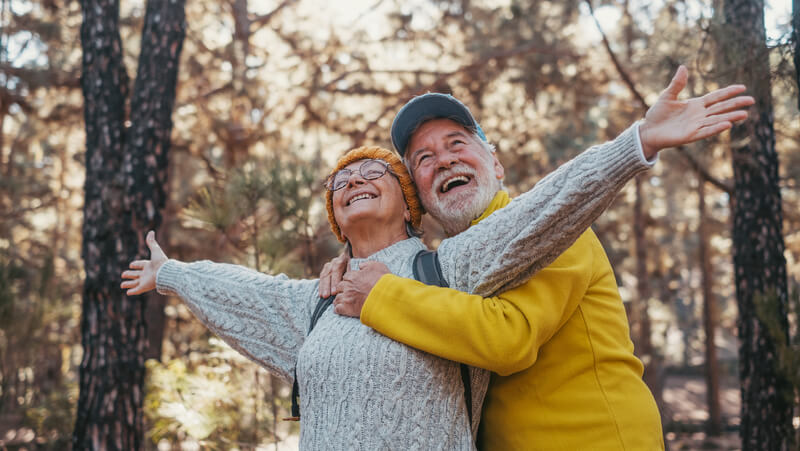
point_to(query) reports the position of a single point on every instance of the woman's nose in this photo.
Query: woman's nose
(355, 179)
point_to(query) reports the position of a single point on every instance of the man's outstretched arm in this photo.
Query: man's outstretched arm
(501, 333)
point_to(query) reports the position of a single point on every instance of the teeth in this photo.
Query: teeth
(446, 185)
(359, 197)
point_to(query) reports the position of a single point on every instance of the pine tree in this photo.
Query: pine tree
(125, 174)
(758, 246)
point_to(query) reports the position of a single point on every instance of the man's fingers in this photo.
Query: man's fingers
(343, 286)
(131, 274)
(711, 130)
(733, 116)
(678, 82)
(346, 309)
(731, 104)
(369, 264)
(722, 94)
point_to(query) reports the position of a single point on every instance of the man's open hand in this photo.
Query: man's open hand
(355, 287)
(671, 122)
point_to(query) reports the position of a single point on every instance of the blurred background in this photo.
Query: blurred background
(270, 93)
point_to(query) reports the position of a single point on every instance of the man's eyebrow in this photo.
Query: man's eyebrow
(415, 152)
(455, 133)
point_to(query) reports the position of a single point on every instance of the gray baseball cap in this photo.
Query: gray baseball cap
(432, 105)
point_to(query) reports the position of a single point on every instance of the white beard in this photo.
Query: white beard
(456, 211)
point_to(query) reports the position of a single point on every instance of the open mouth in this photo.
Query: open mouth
(454, 182)
(359, 197)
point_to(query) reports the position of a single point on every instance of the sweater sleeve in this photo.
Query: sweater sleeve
(506, 248)
(502, 333)
(263, 317)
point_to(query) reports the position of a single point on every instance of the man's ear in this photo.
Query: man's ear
(499, 170)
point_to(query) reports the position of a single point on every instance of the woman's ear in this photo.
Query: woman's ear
(407, 215)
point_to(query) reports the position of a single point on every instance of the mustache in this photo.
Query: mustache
(459, 169)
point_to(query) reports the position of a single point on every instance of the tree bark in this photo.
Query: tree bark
(759, 264)
(123, 195)
(714, 425)
(796, 40)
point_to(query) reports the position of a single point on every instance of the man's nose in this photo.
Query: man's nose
(446, 159)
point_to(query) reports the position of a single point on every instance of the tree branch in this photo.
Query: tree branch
(260, 21)
(702, 171)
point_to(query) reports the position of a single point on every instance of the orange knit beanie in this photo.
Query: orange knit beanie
(397, 168)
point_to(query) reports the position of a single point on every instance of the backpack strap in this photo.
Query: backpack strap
(322, 305)
(428, 270)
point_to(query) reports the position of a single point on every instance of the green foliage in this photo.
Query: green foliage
(263, 207)
(215, 397)
(53, 416)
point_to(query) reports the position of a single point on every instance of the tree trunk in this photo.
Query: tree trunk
(714, 426)
(796, 40)
(759, 264)
(123, 195)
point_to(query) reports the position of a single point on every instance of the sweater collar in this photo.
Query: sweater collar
(501, 199)
(392, 256)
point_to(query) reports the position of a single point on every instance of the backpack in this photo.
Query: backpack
(427, 270)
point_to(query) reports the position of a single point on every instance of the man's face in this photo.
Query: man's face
(456, 176)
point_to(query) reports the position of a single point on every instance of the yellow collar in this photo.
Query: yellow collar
(501, 199)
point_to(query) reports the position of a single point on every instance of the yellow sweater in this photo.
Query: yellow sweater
(566, 377)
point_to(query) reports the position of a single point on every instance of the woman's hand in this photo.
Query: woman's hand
(143, 272)
(332, 274)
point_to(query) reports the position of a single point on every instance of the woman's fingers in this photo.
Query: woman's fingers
(138, 264)
(131, 274)
(128, 284)
(325, 281)
(155, 248)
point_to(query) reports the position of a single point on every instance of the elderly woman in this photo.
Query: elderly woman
(359, 389)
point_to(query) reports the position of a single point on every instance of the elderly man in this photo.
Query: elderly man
(565, 376)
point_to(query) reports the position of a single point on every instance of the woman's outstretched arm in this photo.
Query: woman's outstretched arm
(263, 317)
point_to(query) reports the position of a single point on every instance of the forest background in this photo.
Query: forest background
(270, 93)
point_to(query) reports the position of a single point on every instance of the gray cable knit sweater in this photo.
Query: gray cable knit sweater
(361, 390)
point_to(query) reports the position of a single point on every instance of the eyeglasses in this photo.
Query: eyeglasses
(369, 170)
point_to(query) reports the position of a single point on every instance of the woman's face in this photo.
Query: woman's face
(363, 203)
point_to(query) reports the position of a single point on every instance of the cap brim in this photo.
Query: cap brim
(423, 108)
